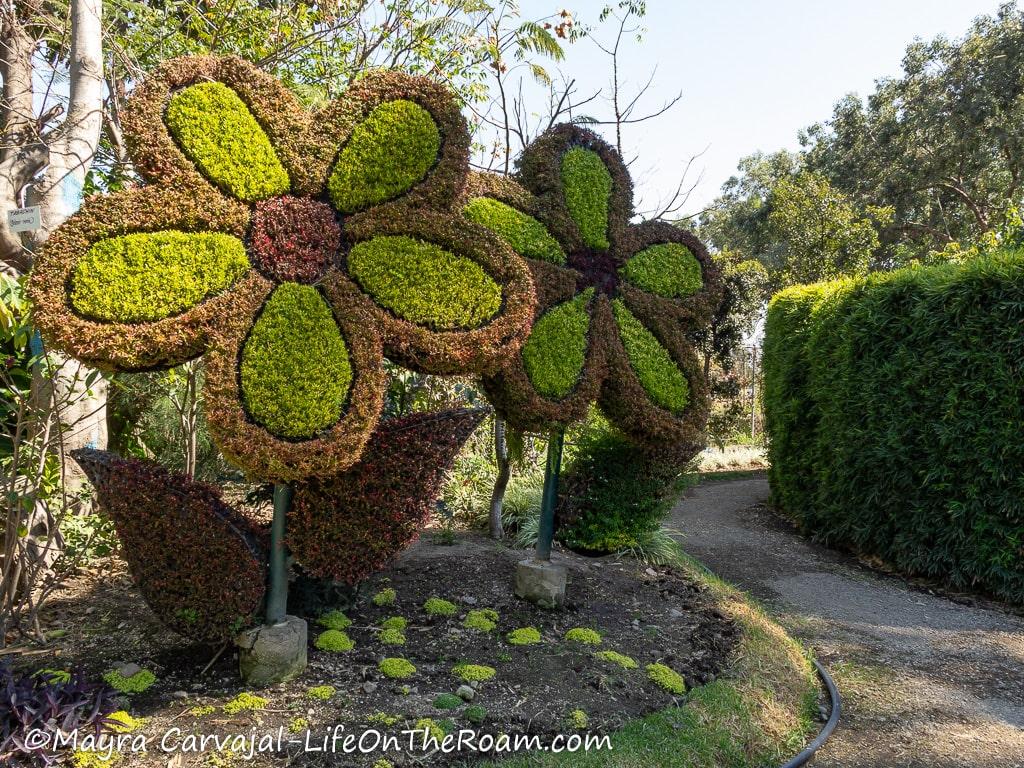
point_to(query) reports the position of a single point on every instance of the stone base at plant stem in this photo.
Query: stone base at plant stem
(272, 654)
(541, 582)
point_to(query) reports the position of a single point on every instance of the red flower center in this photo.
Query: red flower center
(598, 270)
(293, 239)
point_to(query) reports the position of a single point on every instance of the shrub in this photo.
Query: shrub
(578, 720)
(298, 725)
(335, 641)
(475, 714)
(588, 186)
(388, 153)
(436, 606)
(524, 636)
(385, 597)
(217, 131)
(524, 233)
(556, 350)
(397, 669)
(321, 692)
(583, 635)
(433, 730)
(667, 678)
(139, 682)
(482, 619)
(669, 269)
(198, 563)
(295, 369)
(614, 657)
(334, 620)
(424, 283)
(246, 702)
(349, 526)
(153, 275)
(123, 722)
(447, 701)
(613, 494)
(893, 408)
(394, 622)
(42, 702)
(471, 672)
(391, 637)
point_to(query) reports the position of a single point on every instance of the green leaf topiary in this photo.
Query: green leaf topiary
(525, 234)
(667, 678)
(587, 186)
(387, 154)
(218, 132)
(295, 369)
(658, 374)
(556, 349)
(667, 269)
(423, 283)
(152, 275)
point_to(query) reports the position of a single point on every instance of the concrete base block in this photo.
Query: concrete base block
(541, 582)
(272, 654)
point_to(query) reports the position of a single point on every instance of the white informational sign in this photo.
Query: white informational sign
(23, 219)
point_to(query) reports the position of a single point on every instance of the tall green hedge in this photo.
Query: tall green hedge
(895, 409)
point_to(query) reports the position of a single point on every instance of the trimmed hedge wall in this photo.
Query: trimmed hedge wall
(894, 405)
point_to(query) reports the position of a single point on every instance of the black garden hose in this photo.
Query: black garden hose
(833, 721)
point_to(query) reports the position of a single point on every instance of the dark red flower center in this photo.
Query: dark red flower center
(293, 238)
(598, 269)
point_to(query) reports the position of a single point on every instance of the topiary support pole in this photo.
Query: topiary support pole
(537, 578)
(552, 468)
(277, 595)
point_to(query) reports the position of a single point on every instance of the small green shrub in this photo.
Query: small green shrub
(397, 669)
(391, 637)
(523, 233)
(614, 657)
(435, 606)
(152, 275)
(423, 283)
(246, 702)
(385, 597)
(471, 672)
(137, 683)
(334, 641)
(578, 720)
(556, 349)
(382, 718)
(587, 186)
(394, 622)
(321, 692)
(475, 714)
(433, 729)
(524, 636)
(123, 722)
(669, 269)
(387, 154)
(298, 725)
(482, 619)
(218, 132)
(202, 710)
(667, 678)
(651, 362)
(334, 620)
(447, 701)
(295, 369)
(583, 635)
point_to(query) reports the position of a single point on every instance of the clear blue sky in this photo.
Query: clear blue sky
(752, 73)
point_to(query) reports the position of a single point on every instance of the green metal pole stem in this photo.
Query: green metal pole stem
(546, 530)
(277, 596)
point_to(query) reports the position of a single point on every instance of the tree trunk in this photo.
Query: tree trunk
(497, 530)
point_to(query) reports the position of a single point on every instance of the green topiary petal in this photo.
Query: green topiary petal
(423, 283)
(387, 154)
(295, 368)
(152, 275)
(669, 269)
(658, 373)
(587, 187)
(557, 347)
(219, 134)
(525, 234)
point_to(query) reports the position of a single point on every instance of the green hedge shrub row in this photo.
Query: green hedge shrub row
(152, 275)
(218, 132)
(894, 405)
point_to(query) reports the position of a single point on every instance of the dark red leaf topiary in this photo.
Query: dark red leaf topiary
(294, 238)
(347, 527)
(198, 563)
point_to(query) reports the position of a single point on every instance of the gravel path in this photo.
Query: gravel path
(927, 682)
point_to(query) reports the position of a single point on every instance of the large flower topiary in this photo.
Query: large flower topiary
(616, 299)
(292, 249)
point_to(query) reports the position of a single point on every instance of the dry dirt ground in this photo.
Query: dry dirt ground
(928, 680)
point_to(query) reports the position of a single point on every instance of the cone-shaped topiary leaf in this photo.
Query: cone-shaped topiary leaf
(658, 374)
(587, 185)
(667, 269)
(557, 347)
